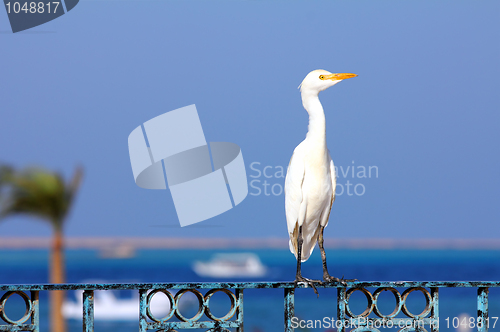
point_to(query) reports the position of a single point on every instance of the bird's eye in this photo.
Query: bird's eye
(321, 77)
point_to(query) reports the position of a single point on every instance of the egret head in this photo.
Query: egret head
(319, 80)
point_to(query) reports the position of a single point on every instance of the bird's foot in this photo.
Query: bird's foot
(310, 282)
(348, 280)
(329, 278)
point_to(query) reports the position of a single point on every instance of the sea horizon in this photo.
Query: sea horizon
(104, 243)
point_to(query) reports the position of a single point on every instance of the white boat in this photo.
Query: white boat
(238, 265)
(118, 252)
(108, 307)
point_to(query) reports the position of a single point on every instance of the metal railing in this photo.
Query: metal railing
(428, 318)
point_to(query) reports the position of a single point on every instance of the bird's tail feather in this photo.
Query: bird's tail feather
(307, 246)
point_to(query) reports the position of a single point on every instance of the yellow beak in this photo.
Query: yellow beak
(341, 76)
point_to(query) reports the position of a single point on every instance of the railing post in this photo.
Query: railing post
(88, 311)
(289, 308)
(239, 310)
(35, 313)
(482, 309)
(435, 309)
(143, 324)
(341, 294)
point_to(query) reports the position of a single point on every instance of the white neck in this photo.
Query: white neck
(317, 126)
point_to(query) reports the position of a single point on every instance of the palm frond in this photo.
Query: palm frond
(40, 193)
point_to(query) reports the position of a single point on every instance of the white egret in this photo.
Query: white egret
(310, 180)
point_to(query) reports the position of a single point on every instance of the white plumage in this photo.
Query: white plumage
(310, 180)
(308, 199)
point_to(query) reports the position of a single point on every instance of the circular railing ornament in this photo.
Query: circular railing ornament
(413, 328)
(201, 305)
(427, 309)
(231, 312)
(27, 301)
(369, 307)
(365, 329)
(399, 302)
(173, 305)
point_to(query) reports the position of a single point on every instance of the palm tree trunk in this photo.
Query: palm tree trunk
(57, 277)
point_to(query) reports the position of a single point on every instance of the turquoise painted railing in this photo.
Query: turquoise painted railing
(426, 320)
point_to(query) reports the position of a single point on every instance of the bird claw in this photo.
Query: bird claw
(329, 278)
(310, 282)
(349, 280)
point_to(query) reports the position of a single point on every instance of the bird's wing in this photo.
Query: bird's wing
(333, 177)
(293, 192)
(333, 174)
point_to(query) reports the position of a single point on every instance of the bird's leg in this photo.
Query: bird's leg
(298, 276)
(326, 276)
(299, 254)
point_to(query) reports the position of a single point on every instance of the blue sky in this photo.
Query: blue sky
(424, 111)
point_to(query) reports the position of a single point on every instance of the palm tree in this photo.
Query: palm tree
(45, 195)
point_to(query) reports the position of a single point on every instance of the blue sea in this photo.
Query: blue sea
(263, 309)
